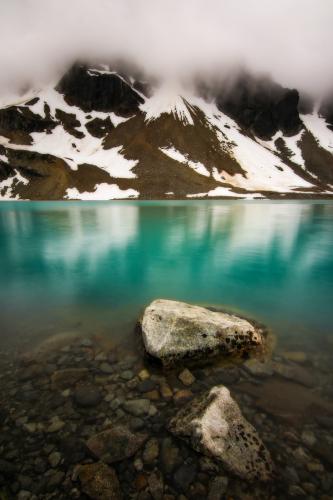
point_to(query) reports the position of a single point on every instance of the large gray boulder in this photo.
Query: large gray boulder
(174, 331)
(214, 425)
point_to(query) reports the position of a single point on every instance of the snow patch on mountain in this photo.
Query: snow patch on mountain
(217, 175)
(6, 186)
(76, 152)
(4, 158)
(318, 128)
(264, 169)
(102, 191)
(224, 192)
(55, 101)
(292, 143)
(168, 100)
(14, 99)
(178, 156)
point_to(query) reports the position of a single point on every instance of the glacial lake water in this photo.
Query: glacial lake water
(87, 270)
(95, 265)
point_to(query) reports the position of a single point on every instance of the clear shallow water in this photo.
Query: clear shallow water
(94, 266)
(90, 268)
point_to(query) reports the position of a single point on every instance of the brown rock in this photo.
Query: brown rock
(186, 377)
(324, 452)
(87, 396)
(144, 374)
(287, 400)
(30, 372)
(296, 356)
(70, 376)
(99, 482)
(152, 395)
(140, 482)
(151, 451)
(156, 485)
(170, 455)
(118, 443)
(258, 368)
(166, 391)
(295, 373)
(55, 342)
(182, 395)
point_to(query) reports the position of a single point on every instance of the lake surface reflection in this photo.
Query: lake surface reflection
(96, 265)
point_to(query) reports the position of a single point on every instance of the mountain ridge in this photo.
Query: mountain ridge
(98, 134)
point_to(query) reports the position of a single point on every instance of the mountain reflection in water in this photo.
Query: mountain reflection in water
(98, 264)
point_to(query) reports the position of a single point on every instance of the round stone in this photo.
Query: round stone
(127, 375)
(86, 396)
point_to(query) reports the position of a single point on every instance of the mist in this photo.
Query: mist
(170, 39)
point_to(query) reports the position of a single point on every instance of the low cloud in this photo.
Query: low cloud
(289, 39)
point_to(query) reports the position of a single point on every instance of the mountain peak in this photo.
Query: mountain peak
(99, 90)
(102, 133)
(170, 99)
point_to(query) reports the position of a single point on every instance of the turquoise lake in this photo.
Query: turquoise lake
(95, 265)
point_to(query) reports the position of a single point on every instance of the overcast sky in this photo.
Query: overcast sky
(290, 39)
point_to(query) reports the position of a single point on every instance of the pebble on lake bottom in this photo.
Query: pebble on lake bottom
(101, 430)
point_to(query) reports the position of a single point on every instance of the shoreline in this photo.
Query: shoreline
(273, 197)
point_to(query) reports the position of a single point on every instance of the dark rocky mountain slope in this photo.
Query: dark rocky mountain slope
(99, 134)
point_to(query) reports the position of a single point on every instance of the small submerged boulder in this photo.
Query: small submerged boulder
(99, 482)
(174, 331)
(115, 444)
(87, 396)
(61, 379)
(55, 343)
(214, 425)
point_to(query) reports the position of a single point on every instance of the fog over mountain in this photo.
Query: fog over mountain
(290, 40)
(156, 99)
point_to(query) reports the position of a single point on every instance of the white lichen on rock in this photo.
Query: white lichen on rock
(214, 425)
(174, 330)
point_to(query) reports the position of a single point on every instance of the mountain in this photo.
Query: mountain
(101, 134)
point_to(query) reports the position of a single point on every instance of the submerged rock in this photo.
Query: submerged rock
(259, 369)
(70, 376)
(174, 330)
(56, 342)
(186, 377)
(99, 482)
(115, 444)
(137, 407)
(296, 373)
(218, 488)
(287, 400)
(56, 424)
(295, 356)
(185, 475)
(170, 455)
(156, 485)
(87, 395)
(151, 451)
(215, 426)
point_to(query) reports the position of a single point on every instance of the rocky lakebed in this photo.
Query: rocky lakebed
(201, 404)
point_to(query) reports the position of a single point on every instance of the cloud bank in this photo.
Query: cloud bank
(289, 39)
